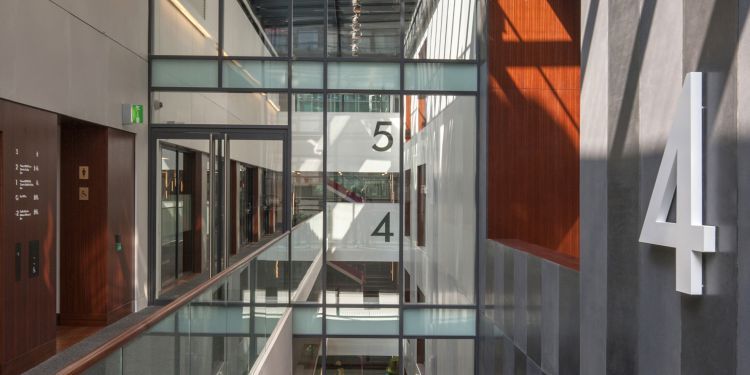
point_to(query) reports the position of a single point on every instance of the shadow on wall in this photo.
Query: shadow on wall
(632, 319)
(533, 168)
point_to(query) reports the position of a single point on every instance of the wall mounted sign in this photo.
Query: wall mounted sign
(83, 172)
(132, 114)
(83, 193)
(681, 173)
(26, 183)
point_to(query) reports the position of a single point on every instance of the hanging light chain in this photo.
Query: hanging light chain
(356, 27)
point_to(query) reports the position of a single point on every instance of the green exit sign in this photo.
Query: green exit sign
(132, 114)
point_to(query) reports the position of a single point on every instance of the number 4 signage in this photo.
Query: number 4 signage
(681, 173)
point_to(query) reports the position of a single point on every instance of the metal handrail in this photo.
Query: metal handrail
(108, 348)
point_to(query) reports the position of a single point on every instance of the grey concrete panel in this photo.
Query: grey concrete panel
(625, 56)
(534, 308)
(658, 93)
(508, 297)
(709, 323)
(743, 182)
(486, 293)
(519, 361)
(593, 176)
(532, 368)
(659, 309)
(550, 329)
(569, 322)
(508, 357)
(484, 346)
(519, 299)
(499, 288)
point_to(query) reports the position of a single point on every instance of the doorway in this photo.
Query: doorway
(219, 195)
(96, 219)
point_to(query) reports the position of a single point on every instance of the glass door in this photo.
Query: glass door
(219, 195)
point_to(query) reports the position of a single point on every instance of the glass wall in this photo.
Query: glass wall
(186, 221)
(379, 100)
(181, 249)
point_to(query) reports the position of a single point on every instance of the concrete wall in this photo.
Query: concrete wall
(83, 59)
(635, 55)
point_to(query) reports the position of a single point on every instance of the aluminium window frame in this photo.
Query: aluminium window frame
(157, 129)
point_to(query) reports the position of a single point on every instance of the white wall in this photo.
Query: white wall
(175, 34)
(219, 108)
(83, 59)
(444, 267)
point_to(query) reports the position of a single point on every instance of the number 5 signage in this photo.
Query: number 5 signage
(681, 173)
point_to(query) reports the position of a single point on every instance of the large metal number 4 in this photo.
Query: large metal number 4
(385, 226)
(387, 135)
(681, 172)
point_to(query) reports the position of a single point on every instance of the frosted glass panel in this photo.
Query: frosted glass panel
(440, 77)
(184, 73)
(307, 75)
(308, 320)
(440, 322)
(255, 74)
(220, 108)
(362, 321)
(363, 76)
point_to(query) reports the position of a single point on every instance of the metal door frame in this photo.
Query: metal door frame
(209, 133)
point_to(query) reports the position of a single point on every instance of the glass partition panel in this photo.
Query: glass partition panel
(307, 260)
(438, 356)
(440, 77)
(363, 76)
(111, 365)
(307, 355)
(307, 75)
(362, 321)
(256, 28)
(186, 27)
(245, 74)
(362, 356)
(212, 333)
(184, 73)
(307, 197)
(441, 29)
(364, 28)
(309, 28)
(164, 346)
(363, 205)
(440, 322)
(308, 320)
(219, 108)
(440, 155)
(269, 274)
